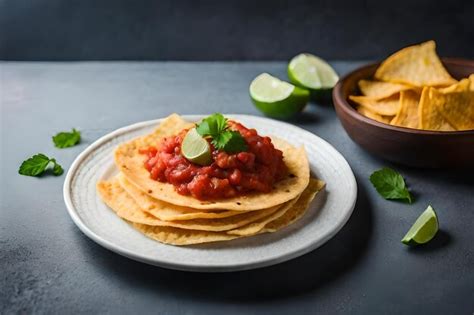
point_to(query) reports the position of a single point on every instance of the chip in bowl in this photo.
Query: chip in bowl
(407, 115)
(412, 89)
(386, 106)
(417, 65)
(429, 114)
(380, 89)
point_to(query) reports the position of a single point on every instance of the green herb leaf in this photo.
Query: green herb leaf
(67, 139)
(37, 164)
(221, 140)
(212, 125)
(215, 126)
(390, 184)
(230, 142)
(57, 169)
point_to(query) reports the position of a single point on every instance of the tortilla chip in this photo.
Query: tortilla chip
(130, 162)
(299, 209)
(471, 79)
(385, 107)
(178, 236)
(457, 108)
(167, 211)
(461, 86)
(417, 65)
(169, 126)
(407, 115)
(164, 234)
(370, 114)
(258, 225)
(125, 206)
(379, 89)
(428, 112)
(283, 217)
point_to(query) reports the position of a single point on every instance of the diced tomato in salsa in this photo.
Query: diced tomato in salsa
(229, 175)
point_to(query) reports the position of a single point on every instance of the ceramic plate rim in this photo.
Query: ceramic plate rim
(67, 191)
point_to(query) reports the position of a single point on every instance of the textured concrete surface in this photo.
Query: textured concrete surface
(48, 266)
(229, 30)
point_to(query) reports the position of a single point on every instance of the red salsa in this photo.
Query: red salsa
(229, 175)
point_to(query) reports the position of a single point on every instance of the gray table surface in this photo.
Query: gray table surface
(49, 266)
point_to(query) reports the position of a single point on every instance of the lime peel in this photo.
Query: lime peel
(276, 98)
(424, 229)
(196, 149)
(266, 88)
(311, 72)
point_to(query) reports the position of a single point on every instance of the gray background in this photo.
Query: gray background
(48, 266)
(229, 30)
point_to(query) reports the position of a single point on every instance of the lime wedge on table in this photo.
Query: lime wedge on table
(195, 148)
(424, 228)
(313, 73)
(276, 98)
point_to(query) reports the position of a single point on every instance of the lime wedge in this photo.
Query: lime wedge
(424, 228)
(276, 98)
(313, 73)
(195, 148)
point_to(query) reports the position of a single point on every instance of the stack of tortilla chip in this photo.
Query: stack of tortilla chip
(412, 89)
(158, 211)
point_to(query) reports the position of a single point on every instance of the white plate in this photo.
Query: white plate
(327, 214)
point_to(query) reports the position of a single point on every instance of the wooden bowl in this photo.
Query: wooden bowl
(412, 147)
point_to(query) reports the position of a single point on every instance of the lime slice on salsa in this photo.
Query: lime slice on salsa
(424, 228)
(276, 98)
(313, 73)
(195, 148)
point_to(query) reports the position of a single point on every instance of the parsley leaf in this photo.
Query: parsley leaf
(230, 142)
(37, 164)
(390, 184)
(215, 126)
(212, 125)
(67, 139)
(57, 169)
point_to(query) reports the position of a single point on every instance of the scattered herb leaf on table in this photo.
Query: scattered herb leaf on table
(390, 184)
(37, 165)
(67, 139)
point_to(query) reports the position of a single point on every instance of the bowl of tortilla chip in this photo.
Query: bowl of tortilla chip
(413, 108)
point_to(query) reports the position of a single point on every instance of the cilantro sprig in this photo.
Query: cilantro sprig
(67, 139)
(216, 127)
(390, 184)
(37, 165)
